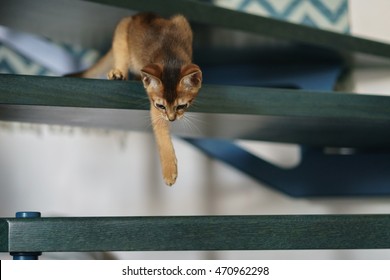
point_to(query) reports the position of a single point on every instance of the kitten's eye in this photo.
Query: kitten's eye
(181, 107)
(160, 106)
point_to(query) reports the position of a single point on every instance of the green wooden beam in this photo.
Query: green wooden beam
(213, 99)
(201, 12)
(92, 24)
(195, 233)
(279, 115)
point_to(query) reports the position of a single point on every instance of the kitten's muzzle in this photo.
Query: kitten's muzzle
(171, 116)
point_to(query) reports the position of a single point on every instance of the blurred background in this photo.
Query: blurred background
(73, 171)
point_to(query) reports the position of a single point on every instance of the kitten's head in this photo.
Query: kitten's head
(171, 90)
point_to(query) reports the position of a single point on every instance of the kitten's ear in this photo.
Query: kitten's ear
(191, 77)
(151, 75)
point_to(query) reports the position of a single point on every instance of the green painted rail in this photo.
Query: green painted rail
(195, 233)
(279, 115)
(93, 22)
(217, 16)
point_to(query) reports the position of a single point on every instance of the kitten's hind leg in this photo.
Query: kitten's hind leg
(120, 49)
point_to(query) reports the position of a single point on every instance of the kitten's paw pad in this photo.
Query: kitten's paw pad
(116, 74)
(170, 174)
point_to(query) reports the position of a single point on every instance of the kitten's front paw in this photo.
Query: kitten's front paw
(169, 169)
(116, 74)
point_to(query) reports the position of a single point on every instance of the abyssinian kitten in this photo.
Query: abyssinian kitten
(159, 52)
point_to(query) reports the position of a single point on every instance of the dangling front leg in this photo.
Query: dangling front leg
(165, 147)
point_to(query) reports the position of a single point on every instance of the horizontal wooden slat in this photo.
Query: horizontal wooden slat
(216, 16)
(91, 24)
(195, 233)
(280, 115)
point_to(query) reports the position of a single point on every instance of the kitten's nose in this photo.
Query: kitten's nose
(171, 116)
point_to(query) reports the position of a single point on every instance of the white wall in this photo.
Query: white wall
(75, 172)
(369, 20)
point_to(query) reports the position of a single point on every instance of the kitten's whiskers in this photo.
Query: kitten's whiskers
(188, 121)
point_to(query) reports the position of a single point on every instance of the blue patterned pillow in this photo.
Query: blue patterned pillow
(325, 14)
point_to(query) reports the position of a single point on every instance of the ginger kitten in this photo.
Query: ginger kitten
(159, 52)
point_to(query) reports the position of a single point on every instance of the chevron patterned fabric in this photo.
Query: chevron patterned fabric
(12, 62)
(40, 56)
(325, 14)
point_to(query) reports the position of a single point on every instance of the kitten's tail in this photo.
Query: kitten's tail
(99, 69)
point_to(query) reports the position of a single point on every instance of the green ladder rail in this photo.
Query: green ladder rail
(195, 233)
(97, 18)
(228, 112)
(217, 16)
